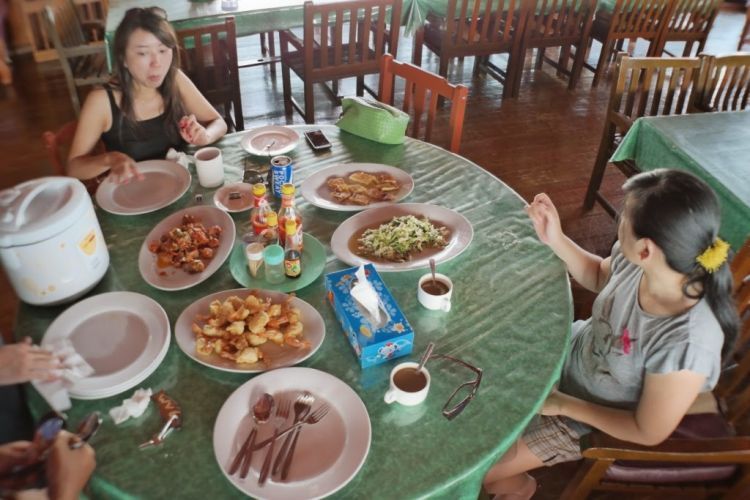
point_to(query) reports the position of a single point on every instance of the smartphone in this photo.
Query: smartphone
(317, 140)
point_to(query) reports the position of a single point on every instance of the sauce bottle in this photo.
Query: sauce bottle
(288, 212)
(261, 209)
(270, 235)
(292, 251)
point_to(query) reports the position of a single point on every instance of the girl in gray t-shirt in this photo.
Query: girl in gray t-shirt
(659, 326)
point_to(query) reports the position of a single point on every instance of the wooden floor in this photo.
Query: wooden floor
(545, 140)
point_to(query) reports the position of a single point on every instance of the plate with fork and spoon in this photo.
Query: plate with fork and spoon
(332, 445)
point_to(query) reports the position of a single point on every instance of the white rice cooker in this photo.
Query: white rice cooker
(51, 245)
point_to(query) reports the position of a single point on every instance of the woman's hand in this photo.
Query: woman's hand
(23, 362)
(553, 405)
(68, 470)
(192, 131)
(545, 218)
(122, 168)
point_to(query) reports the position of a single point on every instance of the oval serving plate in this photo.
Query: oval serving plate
(171, 278)
(313, 263)
(270, 140)
(164, 183)
(315, 190)
(461, 234)
(314, 332)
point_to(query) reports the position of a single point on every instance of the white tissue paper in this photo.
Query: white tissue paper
(133, 407)
(366, 296)
(178, 156)
(73, 368)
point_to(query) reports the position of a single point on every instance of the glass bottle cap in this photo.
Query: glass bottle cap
(259, 189)
(273, 255)
(287, 188)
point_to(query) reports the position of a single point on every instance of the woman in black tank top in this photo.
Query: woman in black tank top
(149, 107)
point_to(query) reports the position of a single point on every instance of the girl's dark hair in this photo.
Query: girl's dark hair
(680, 214)
(154, 21)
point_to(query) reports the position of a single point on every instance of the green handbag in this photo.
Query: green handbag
(373, 120)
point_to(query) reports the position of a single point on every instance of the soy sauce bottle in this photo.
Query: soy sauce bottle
(292, 251)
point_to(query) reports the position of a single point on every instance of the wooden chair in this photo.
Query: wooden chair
(353, 36)
(209, 58)
(725, 83)
(557, 23)
(703, 457)
(629, 20)
(57, 143)
(423, 86)
(745, 36)
(268, 54)
(689, 22)
(84, 63)
(477, 28)
(646, 86)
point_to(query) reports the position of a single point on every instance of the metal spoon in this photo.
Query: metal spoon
(86, 429)
(261, 413)
(426, 356)
(432, 270)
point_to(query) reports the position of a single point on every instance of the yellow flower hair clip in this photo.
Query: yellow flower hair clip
(714, 256)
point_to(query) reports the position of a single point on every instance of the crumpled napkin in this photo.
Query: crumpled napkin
(178, 156)
(134, 406)
(73, 368)
(364, 293)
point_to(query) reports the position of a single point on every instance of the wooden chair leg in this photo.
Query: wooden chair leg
(416, 57)
(443, 66)
(600, 164)
(575, 72)
(263, 45)
(539, 58)
(515, 72)
(603, 61)
(272, 52)
(309, 102)
(562, 62)
(588, 475)
(360, 85)
(741, 488)
(287, 86)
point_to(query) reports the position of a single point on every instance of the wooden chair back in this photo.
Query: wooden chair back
(745, 35)
(422, 89)
(353, 36)
(689, 22)
(725, 83)
(209, 57)
(639, 19)
(83, 63)
(483, 27)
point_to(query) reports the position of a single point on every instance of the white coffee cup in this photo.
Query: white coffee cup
(408, 386)
(210, 167)
(436, 299)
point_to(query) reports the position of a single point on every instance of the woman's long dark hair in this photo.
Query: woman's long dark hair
(680, 214)
(154, 21)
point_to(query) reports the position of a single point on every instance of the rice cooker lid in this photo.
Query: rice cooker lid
(38, 209)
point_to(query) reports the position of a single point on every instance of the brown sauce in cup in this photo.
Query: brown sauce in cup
(410, 380)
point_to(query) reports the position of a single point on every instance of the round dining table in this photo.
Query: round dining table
(511, 315)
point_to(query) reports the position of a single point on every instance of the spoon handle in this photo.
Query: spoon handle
(247, 457)
(267, 463)
(241, 453)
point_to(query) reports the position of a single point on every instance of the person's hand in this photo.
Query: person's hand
(23, 362)
(192, 131)
(545, 218)
(15, 454)
(68, 470)
(122, 168)
(553, 405)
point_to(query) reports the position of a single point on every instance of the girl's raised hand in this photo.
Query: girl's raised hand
(545, 218)
(192, 131)
(122, 168)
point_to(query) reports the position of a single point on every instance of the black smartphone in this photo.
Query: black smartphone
(317, 140)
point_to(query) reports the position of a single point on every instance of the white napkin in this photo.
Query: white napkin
(133, 407)
(73, 368)
(367, 297)
(178, 156)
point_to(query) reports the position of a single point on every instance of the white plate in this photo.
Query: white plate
(315, 190)
(329, 454)
(281, 140)
(314, 332)
(124, 336)
(164, 183)
(241, 204)
(461, 234)
(171, 278)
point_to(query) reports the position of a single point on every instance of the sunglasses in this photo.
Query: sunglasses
(464, 393)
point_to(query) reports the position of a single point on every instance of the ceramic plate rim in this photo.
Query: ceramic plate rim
(186, 338)
(223, 207)
(246, 137)
(340, 237)
(144, 166)
(92, 306)
(288, 379)
(308, 190)
(146, 258)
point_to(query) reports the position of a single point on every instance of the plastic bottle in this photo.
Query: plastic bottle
(273, 262)
(288, 212)
(270, 235)
(261, 209)
(292, 251)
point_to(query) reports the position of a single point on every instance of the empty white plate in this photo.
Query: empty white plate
(271, 140)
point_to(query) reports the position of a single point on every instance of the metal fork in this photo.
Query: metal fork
(313, 418)
(282, 413)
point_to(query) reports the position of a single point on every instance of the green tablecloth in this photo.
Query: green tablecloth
(714, 146)
(511, 316)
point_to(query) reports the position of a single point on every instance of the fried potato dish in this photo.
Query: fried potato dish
(362, 188)
(187, 246)
(236, 329)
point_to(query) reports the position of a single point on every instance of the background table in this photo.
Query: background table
(511, 316)
(713, 146)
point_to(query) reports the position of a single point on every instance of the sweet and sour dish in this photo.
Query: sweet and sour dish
(188, 246)
(362, 188)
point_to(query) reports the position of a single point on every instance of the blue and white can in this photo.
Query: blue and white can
(281, 173)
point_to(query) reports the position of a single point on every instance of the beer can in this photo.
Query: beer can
(281, 173)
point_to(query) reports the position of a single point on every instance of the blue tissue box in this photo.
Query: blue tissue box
(372, 346)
